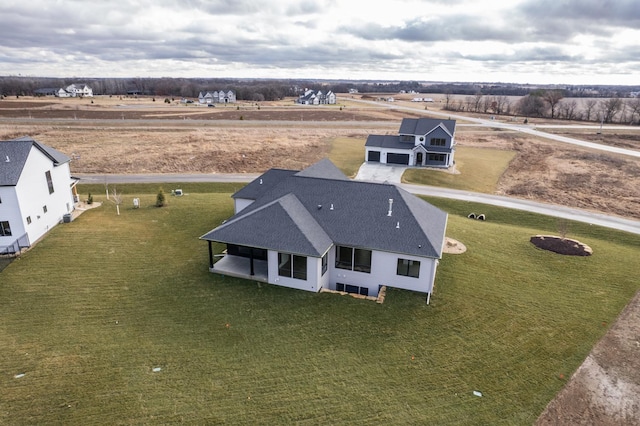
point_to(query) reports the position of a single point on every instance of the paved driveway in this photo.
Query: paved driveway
(380, 172)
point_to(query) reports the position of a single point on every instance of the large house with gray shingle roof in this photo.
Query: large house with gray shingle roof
(315, 229)
(419, 142)
(36, 191)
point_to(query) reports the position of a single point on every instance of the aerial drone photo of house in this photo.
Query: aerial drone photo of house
(421, 142)
(317, 229)
(36, 192)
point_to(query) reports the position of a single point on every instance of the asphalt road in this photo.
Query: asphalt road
(579, 215)
(524, 128)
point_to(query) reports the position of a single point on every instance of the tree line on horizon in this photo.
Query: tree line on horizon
(551, 103)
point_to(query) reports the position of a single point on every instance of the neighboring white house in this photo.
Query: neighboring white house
(420, 142)
(313, 97)
(316, 228)
(75, 90)
(36, 191)
(217, 97)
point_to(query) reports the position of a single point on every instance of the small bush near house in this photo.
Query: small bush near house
(161, 199)
(90, 199)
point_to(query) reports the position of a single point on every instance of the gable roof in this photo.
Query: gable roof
(422, 126)
(351, 213)
(17, 151)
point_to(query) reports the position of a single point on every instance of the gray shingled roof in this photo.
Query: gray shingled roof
(422, 126)
(17, 151)
(351, 213)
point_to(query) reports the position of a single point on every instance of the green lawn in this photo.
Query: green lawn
(347, 154)
(480, 169)
(91, 310)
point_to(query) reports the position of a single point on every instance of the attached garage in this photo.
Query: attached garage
(398, 159)
(373, 156)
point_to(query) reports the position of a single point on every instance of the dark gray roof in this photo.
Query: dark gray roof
(348, 212)
(323, 169)
(422, 126)
(267, 180)
(283, 224)
(17, 151)
(387, 141)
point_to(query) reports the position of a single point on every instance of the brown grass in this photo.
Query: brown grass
(178, 138)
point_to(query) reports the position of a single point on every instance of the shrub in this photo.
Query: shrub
(161, 199)
(90, 199)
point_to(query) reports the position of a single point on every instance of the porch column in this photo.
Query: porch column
(210, 255)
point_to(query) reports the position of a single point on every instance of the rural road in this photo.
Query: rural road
(579, 215)
(529, 129)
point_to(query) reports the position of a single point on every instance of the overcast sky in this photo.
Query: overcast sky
(521, 41)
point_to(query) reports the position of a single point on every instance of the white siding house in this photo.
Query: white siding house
(36, 191)
(316, 228)
(420, 142)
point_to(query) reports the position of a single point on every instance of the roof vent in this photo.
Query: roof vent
(7, 160)
(390, 207)
(319, 206)
(260, 181)
(398, 225)
(331, 208)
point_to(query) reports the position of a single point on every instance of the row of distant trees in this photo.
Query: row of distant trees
(252, 90)
(550, 104)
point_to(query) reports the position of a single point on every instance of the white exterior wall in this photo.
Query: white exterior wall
(383, 272)
(310, 284)
(10, 211)
(33, 194)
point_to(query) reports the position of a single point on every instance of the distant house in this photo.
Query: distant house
(313, 97)
(316, 229)
(75, 90)
(420, 142)
(36, 191)
(217, 97)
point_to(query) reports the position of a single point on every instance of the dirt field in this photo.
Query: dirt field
(138, 135)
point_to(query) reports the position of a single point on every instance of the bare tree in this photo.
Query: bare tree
(589, 105)
(634, 110)
(117, 199)
(448, 96)
(609, 108)
(477, 101)
(568, 109)
(552, 98)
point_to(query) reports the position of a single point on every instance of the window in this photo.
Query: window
(5, 230)
(49, 181)
(438, 141)
(292, 266)
(28, 220)
(325, 263)
(353, 289)
(437, 157)
(44, 209)
(408, 268)
(353, 259)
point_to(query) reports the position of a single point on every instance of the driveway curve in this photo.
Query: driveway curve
(580, 215)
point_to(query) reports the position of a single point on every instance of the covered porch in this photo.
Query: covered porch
(242, 267)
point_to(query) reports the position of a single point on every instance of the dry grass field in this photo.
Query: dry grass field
(139, 135)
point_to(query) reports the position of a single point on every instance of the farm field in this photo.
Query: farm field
(134, 329)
